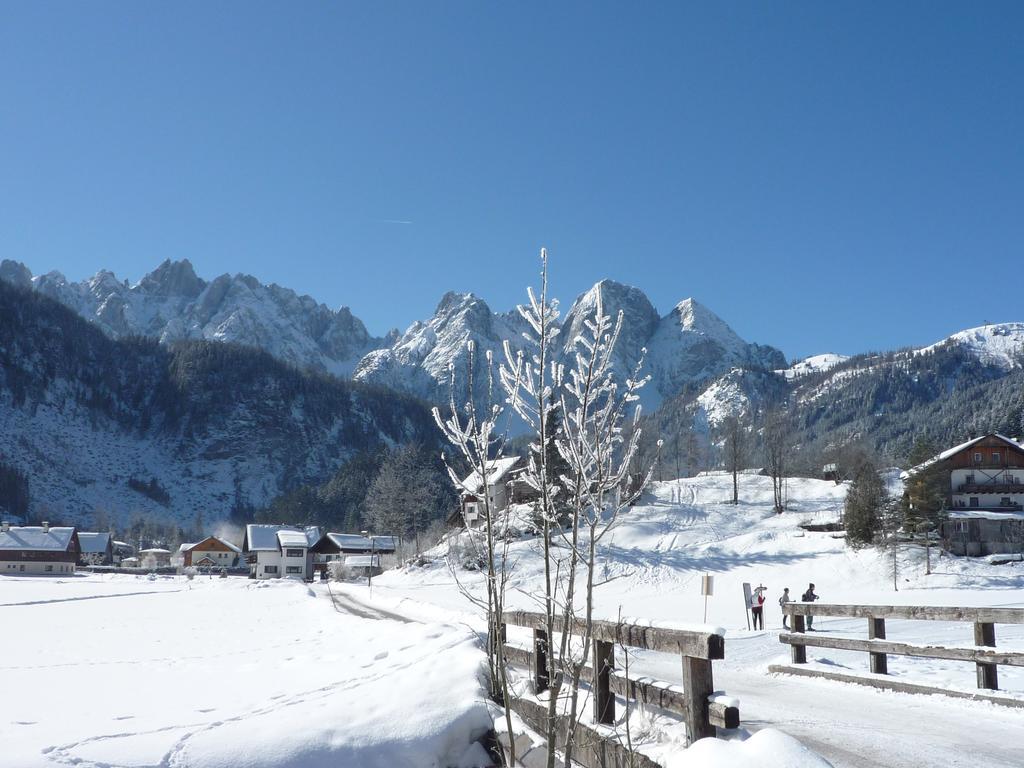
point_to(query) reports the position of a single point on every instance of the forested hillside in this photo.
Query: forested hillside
(129, 426)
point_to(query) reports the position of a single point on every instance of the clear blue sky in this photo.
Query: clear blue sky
(837, 176)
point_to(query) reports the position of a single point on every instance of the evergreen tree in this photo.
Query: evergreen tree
(864, 505)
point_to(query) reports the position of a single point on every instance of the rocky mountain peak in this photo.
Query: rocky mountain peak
(173, 278)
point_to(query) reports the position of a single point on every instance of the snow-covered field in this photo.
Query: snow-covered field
(651, 569)
(123, 671)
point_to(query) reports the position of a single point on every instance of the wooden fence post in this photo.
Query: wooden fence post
(985, 634)
(879, 661)
(541, 680)
(698, 684)
(798, 653)
(604, 699)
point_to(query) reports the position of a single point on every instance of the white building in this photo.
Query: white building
(276, 551)
(37, 549)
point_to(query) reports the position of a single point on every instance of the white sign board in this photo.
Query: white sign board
(707, 584)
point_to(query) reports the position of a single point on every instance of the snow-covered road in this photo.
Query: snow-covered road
(855, 726)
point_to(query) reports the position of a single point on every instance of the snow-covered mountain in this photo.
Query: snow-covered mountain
(419, 361)
(1000, 344)
(690, 344)
(813, 364)
(172, 303)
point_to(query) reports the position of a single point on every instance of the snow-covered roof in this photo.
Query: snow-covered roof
(34, 538)
(362, 561)
(351, 541)
(155, 551)
(954, 450)
(185, 548)
(261, 537)
(385, 543)
(496, 470)
(225, 542)
(984, 514)
(292, 538)
(93, 543)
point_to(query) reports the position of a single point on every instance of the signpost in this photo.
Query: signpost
(707, 588)
(746, 601)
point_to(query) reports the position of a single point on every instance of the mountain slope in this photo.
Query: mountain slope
(132, 426)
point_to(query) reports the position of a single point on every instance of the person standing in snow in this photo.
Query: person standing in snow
(809, 597)
(782, 605)
(757, 606)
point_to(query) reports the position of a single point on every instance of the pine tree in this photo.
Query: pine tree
(864, 504)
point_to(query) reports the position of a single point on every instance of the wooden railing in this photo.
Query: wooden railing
(695, 701)
(983, 653)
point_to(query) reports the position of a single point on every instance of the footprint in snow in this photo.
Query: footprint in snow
(125, 717)
(381, 655)
(23, 722)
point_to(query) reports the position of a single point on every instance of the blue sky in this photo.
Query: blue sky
(836, 176)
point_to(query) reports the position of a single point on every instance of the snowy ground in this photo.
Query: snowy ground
(123, 671)
(652, 569)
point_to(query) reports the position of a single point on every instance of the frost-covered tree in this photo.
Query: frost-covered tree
(599, 440)
(471, 429)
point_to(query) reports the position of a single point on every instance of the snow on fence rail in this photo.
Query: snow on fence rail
(984, 654)
(700, 706)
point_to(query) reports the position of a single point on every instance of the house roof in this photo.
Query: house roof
(496, 470)
(93, 543)
(33, 538)
(984, 514)
(225, 542)
(955, 450)
(292, 538)
(362, 561)
(155, 551)
(260, 537)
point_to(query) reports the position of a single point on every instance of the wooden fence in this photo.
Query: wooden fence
(983, 653)
(694, 701)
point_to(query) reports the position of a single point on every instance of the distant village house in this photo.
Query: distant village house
(211, 552)
(280, 551)
(38, 549)
(472, 509)
(96, 548)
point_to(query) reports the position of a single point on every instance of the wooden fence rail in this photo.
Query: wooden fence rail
(693, 701)
(983, 653)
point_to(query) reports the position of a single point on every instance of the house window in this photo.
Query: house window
(1005, 501)
(974, 501)
(49, 569)
(295, 553)
(960, 526)
(977, 458)
(969, 480)
(270, 569)
(995, 457)
(293, 569)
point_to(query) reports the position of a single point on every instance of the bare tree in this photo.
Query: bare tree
(734, 447)
(776, 453)
(531, 381)
(472, 431)
(599, 441)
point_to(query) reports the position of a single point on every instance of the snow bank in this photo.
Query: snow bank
(767, 748)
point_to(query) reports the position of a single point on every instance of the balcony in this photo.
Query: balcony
(990, 488)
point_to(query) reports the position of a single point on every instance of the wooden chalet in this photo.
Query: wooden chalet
(38, 549)
(985, 497)
(211, 552)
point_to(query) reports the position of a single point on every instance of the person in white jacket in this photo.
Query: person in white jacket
(782, 604)
(757, 606)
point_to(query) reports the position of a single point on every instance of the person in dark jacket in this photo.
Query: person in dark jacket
(809, 597)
